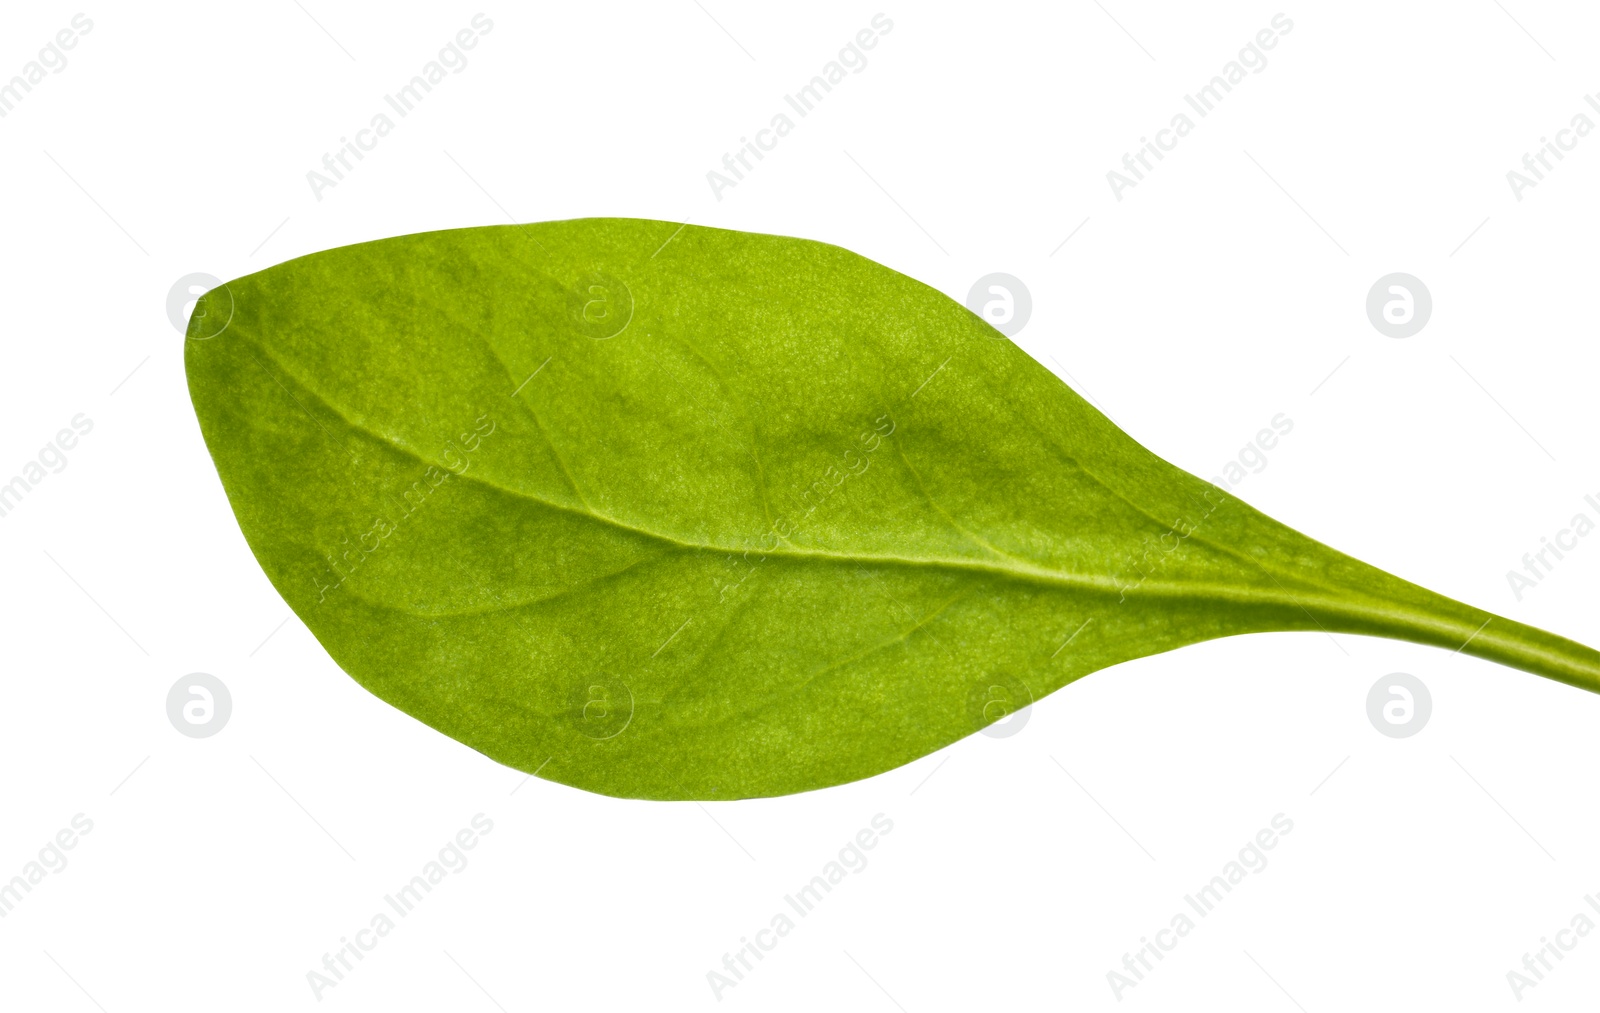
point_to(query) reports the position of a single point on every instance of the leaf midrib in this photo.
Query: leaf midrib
(1339, 600)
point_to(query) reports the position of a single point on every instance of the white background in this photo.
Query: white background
(1224, 289)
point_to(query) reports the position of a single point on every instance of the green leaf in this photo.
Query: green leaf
(677, 512)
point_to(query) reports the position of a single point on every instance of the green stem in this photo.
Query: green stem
(1443, 622)
(1534, 650)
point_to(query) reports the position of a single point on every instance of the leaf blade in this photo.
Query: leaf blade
(764, 515)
